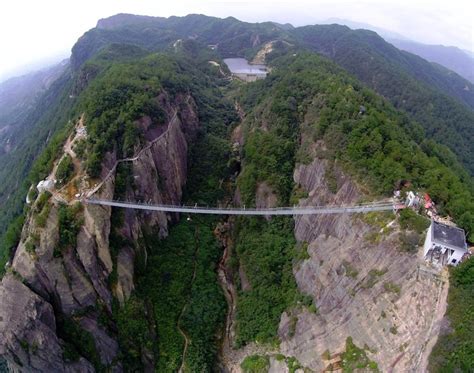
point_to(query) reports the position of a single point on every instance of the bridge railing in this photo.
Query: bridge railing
(285, 210)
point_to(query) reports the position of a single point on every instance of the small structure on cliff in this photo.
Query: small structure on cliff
(445, 244)
(45, 186)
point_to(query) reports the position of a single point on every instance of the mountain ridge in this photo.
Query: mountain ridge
(104, 288)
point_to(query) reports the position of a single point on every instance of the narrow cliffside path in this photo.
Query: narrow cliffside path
(171, 123)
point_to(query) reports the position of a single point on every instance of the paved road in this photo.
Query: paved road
(377, 206)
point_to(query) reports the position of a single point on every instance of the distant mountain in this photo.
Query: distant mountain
(17, 95)
(452, 58)
(34, 66)
(235, 38)
(30, 112)
(386, 34)
(469, 53)
(148, 112)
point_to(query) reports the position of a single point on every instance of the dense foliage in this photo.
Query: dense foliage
(65, 169)
(441, 103)
(255, 364)
(114, 102)
(69, 223)
(380, 145)
(78, 342)
(412, 221)
(10, 239)
(37, 131)
(178, 296)
(265, 251)
(454, 351)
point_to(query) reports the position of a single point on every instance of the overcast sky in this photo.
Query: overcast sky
(38, 31)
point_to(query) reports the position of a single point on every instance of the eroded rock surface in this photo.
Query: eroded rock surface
(370, 291)
(43, 283)
(28, 328)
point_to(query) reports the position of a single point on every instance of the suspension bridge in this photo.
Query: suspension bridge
(293, 210)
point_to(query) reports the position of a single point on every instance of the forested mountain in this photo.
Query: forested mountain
(431, 95)
(427, 93)
(235, 38)
(450, 57)
(25, 138)
(455, 59)
(18, 97)
(142, 115)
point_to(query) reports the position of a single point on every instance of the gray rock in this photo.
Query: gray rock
(78, 279)
(28, 339)
(395, 327)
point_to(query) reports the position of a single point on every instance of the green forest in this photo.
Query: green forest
(179, 287)
(315, 100)
(379, 147)
(176, 314)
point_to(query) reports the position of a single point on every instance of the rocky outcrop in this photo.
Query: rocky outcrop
(28, 326)
(367, 290)
(45, 282)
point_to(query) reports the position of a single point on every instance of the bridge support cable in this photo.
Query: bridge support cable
(301, 210)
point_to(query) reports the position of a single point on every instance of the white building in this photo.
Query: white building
(45, 185)
(444, 244)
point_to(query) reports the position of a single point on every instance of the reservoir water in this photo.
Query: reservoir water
(243, 70)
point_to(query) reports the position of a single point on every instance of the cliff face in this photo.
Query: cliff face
(45, 284)
(364, 287)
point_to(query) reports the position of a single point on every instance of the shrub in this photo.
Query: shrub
(410, 220)
(42, 217)
(454, 352)
(350, 270)
(32, 194)
(80, 148)
(30, 247)
(409, 241)
(255, 364)
(69, 226)
(41, 201)
(65, 169)
(392, 288)
(355, 359)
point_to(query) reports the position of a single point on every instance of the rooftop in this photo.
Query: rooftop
(447, 235)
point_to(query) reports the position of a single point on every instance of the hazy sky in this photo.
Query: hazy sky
(36, 30)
